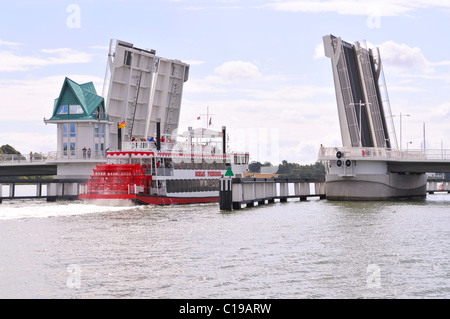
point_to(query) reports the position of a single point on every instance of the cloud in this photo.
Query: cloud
(319, 52)
(194, 62)
(25, 142)
(398, 57)
(405, 61)
(32, 99)
(11, 62)
(9, 44)
(352, 7)
(25, 103)
(238, 70)
(402, 56)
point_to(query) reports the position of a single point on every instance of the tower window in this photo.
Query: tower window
(75, 109)
(63, 109)
(73, 131)
(128, 58)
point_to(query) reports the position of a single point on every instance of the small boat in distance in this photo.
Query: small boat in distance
(167, 170)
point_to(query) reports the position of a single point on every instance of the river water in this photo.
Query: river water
(311, 249)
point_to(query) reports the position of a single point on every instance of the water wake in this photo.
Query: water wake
(23, 209)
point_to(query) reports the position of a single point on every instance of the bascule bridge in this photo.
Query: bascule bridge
(370, 165)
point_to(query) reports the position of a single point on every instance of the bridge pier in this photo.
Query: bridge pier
(57, 189)
(379, 174)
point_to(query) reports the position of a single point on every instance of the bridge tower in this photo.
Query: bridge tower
(368, 165)
(143, 89)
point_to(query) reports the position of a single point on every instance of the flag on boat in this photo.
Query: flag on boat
(122, 125)
(210, 120)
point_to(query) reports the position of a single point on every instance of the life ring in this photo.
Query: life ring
(339, 163)
(339, 154)
(348, 163)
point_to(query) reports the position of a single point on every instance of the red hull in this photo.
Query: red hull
(154, 200)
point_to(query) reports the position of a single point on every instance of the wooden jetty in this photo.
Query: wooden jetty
(236, 192)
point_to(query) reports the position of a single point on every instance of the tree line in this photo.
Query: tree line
(292, 170)
(8, 149)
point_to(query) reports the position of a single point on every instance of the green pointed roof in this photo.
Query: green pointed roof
(83, 95)
(229, 172)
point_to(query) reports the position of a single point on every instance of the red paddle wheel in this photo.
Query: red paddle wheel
(119, 179)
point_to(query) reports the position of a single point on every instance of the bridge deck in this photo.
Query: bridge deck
(417, 161)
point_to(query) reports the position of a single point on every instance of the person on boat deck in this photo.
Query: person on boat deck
(158, 164)
(133, 139)
(151, 139)
(163, 139)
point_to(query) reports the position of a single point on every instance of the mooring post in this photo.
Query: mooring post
(12, 190)
(225, 194)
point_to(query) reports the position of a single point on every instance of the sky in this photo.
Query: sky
(257, 65)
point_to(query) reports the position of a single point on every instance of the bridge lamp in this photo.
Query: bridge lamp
(401, 115)
(407, 144)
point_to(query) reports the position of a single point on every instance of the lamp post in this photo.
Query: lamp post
(407, 144)
(401, 127)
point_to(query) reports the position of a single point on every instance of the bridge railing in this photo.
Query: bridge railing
(332, 153)
(31, 158)
(22, 158)
(76, 155)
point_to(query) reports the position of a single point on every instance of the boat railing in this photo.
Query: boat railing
(176, 148)
(164, 171)
(145, 146)
(158, 191)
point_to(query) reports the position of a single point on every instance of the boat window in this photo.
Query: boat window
(218, 164)
(204, 185)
